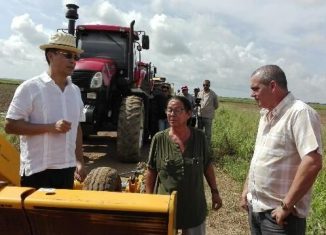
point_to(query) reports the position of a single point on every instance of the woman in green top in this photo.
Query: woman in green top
(179, 158)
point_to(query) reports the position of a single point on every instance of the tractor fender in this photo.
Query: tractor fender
(9, 162)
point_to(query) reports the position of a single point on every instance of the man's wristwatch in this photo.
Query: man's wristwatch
(284, 206)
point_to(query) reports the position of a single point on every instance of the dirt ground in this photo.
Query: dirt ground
(229, 220)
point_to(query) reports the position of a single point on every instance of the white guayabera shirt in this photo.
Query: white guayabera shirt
(285, 135)
(39, 100)
(209, 103)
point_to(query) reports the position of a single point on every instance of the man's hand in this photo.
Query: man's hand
(62, 126)
(216, 201)
(244, 202)
(280, 215)
(80, 172)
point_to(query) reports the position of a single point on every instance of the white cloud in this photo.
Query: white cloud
(168, 35)
(223, 41)
(103, 12)
(19, 53)
(65, 2)
(27, 29)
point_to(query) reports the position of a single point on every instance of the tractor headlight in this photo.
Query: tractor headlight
(97, 80)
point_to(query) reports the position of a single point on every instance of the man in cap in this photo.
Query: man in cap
(185, 93)
(45, 112)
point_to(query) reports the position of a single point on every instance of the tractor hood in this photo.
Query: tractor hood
(106, 66)
(94, 64)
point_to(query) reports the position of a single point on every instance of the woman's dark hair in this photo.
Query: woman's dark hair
(186, 103)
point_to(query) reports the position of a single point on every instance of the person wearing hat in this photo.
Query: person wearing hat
(185, 93)
(45, 111)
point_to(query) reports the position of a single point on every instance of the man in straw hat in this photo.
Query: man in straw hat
(45, 112)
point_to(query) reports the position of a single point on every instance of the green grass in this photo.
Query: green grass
(317, 218)
(234, 137)
(234, 133)
(10, 81)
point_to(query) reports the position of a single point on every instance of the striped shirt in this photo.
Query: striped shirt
(285, 135)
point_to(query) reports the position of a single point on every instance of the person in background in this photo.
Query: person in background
(185, 93)
(45, 111)
(196, 118)
(208, 105)
(286, 160)
(179, 158)
(162, 100)
(196, 91)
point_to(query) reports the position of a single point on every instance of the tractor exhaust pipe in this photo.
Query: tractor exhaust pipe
(72, 16)
(130, 56)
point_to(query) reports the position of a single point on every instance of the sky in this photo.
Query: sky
(223, 41)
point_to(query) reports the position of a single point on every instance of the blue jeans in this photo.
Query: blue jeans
(262, 223)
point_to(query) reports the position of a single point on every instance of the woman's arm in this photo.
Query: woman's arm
(211, 180)
(150, 178)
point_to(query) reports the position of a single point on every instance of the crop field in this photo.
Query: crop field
(6, 93)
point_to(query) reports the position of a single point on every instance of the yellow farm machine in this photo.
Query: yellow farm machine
(30, 211)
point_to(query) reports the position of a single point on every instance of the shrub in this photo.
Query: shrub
(234, 133)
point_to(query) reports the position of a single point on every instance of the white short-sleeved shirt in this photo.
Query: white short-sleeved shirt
(285, 135)
(39, 100)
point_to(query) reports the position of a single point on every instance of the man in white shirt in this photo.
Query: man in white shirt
(45, 112)
(208, 105)
(286, 160)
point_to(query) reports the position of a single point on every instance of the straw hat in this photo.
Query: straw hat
(64, 41)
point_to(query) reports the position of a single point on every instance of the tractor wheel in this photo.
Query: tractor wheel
(130, 129)
(103, 179)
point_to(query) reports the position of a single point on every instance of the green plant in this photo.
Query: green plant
(234, 132)
(317, 218)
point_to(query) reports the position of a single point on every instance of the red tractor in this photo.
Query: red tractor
(115, 84)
